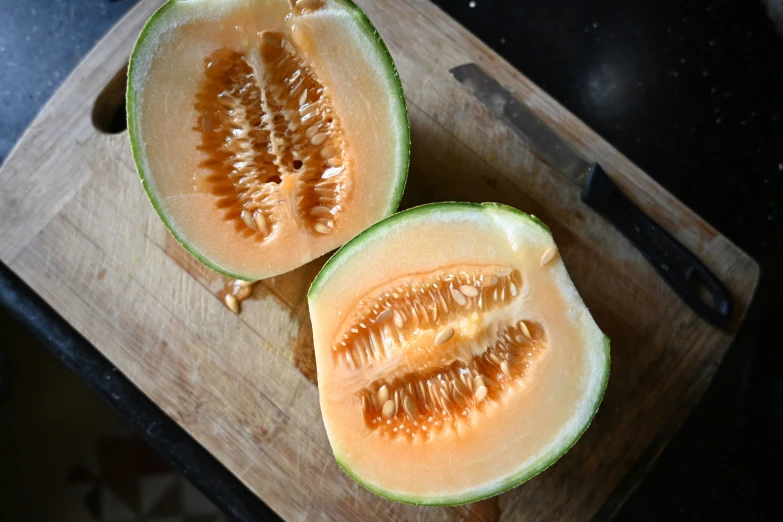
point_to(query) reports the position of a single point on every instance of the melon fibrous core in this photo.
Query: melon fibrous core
(266, 132)
(253, 139)
(455, 358)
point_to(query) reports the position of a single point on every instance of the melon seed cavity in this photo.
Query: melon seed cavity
(457, 375)
(270, 134)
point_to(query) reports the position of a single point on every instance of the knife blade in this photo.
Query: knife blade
(693, 282)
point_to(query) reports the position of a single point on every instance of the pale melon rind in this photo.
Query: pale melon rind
(144, 48)
(505, 216)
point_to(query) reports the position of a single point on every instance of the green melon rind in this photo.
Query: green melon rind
(131, 102)
(545, 460)
(402, 112)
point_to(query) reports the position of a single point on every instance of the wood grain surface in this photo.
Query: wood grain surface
(76, 226)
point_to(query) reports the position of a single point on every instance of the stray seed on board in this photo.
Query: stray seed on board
(323, 229)
(444, 336)
(548, 256)
(232, 303)
(469, 291)
(459, 297)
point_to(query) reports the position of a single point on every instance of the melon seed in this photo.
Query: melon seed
(303, 97)
(548, 256)
(247, 217)
(410, 407)
(505, 369)
(383, 394)
(422, 396)
(319, 138)
(232, 303)
(444, 335)
(504, 272)
(524, 329)
(469, 291)
(481, 393)
(513, 289)
(384, 315)
(478, 382)
(459, 297)
(388, 409)
(322, 228)
(261, 222)
(399, 320)
(206, 123)
(459, 386)
(312, 131)
(489, 281)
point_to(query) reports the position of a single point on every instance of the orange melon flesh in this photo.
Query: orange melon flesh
(482, 447)
(351, 64)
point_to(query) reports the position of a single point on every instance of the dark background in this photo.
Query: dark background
(691, 91)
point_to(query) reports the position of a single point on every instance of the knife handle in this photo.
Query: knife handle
(687, 276)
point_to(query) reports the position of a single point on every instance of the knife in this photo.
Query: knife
(686, 275)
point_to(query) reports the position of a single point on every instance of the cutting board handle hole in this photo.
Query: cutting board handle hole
(108, 113)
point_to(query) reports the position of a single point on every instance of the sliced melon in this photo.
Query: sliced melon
(266, 133)
(455, 357)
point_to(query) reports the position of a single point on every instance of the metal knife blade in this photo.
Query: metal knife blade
(523, 122)
(696, 285)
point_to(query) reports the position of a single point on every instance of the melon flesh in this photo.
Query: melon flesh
(266, 135)
(412, 318)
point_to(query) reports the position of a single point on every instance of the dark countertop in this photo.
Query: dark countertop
(690, 91)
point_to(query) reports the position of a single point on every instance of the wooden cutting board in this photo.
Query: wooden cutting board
(77, 227)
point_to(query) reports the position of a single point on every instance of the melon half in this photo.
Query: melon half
(455, 357)
(266, 132)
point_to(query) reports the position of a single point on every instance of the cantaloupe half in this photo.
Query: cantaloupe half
(455, 357)
(266, 132)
